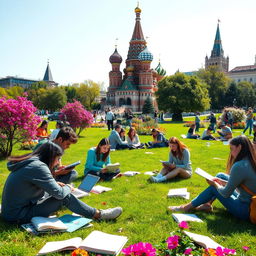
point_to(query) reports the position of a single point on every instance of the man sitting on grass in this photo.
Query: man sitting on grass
(115, 139)
(225, 133)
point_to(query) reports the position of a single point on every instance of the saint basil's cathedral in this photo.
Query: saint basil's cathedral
(139, 80)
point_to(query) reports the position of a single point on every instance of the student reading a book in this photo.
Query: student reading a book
(133, 139)
(159, 140)
(115, 139)
(65, 137)
(97, 159)
(41, 131)
(225, 133)
(179, 163)
(30, 177)
(241, 167)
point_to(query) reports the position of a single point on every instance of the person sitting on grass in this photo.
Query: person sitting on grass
(115, 140)
(191, 132)
(207, 134)
(41, 131)
(254, 133)
(122, 134)
(59, 125)
(30, 177)
(97, 159)
(179, 163)
(133, 139)
(159, 140)
(225, 133)
(66, 136)
(230, 189)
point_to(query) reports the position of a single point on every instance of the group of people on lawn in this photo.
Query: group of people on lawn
(40, 172)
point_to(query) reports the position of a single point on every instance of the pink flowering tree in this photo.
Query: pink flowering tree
(18, 123)
(78, 117)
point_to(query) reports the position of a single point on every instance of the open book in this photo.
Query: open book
(96, 242)
(98, 189)
(48, 224)
(204, 241)
(130, 173)
(179, 192)
(204, 174)
(179, 217)
(113, 167)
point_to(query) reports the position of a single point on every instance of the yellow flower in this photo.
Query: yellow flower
(79, 252)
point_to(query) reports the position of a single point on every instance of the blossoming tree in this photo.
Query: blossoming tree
(78, 117)
(18, 122)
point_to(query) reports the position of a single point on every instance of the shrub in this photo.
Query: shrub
(18, 123)
(238, 114)
(78, 117)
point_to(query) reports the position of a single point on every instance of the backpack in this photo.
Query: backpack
(252, 205)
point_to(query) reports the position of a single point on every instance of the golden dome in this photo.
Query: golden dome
(137, 10)
(130, 69)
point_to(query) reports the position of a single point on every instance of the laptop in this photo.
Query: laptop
(86, 186)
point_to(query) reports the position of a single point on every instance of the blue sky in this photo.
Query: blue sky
(78, 36)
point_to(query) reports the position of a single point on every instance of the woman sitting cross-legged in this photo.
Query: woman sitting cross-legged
(232, 193)
(179, 163)
(30, 177)
(133, 139)
(97, 159)
(191, 132)
(159, 140)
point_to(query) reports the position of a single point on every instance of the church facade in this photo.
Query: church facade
(139, 81)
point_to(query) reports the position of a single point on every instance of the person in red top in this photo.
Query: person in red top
(41, 131)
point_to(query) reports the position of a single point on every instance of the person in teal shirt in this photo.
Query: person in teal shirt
(97, 159)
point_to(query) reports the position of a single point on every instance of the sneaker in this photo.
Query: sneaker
(111, 213)
(153, 179)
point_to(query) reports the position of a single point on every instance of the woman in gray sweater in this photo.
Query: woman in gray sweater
(241, 168)
(30, 177)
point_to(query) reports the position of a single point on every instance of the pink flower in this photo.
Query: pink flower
(246, 248)
(172, 242)
(188, 251)
(225, 251)
(183, 225)
(140, 249)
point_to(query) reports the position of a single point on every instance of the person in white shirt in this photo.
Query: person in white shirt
(55, 132)
(133, 139)
(110, 119)
(207, 134)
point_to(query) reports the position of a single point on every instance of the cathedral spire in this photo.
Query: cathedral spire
(48, 73)
(217, 50)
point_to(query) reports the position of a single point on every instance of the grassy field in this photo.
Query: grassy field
(145, 217)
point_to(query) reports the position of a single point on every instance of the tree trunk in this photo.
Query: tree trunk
(177, 117)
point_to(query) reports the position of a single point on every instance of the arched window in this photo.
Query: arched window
(121, 102)
(128, 101)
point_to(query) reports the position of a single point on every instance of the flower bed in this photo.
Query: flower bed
(98, 125)
(28, 145)
(203, 124)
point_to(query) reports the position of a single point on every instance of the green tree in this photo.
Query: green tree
(148, 106)
(3, 92)
(231, 95)
(217, 83)
(35, 96)
(71, 93)
(53, 99)
(15, 91)
(181, 93)
(246, 94)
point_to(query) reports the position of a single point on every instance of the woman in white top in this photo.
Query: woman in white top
(133, 139)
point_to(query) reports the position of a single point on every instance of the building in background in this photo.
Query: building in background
(139, 81)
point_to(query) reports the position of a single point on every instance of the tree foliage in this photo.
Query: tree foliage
(217, 84)
(148, 107)
(78, 117)
(181, 93)
(18, 123)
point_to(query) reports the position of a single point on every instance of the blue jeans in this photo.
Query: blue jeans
(157, 145)
(67, 178)
(197, 127)
(232, 204)
(248, 125)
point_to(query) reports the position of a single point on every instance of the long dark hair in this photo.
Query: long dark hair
(103, 142)
(130, 133)
(180, 147)
(46, 153)
(44, 122)
(247, 150)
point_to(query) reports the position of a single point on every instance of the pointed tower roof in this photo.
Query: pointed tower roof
(137, 43)
(217, 50)
(48, 74)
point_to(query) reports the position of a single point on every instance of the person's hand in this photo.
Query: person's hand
(72, 188)
(103, 170)
(61, 183)
(220, 181)
(62, 171)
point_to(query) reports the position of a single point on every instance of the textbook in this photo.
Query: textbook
(97, 242)
(112, 167)
(179, 217)
(204, 174)
(66, 223)
(179, 192)
(204, 241)
(100, 189)
(130, 173)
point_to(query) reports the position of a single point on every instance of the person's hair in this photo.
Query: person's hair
(122, 130)
(60, 124)
(130, 133)
(44, 122)
(247, 150)
(103, 142)
(180, 148)
(46, 153)
(67, 133)
(117, 126)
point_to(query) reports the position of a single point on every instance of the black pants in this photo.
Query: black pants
(106, 176)
(110, 124)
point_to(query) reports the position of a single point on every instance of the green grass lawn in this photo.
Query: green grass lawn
(145, 217)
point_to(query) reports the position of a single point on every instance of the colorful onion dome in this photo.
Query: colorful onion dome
(145, 55)
(130, 68)
(115, 57)
(160, 70)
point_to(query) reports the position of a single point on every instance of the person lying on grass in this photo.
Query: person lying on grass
(179, 163)
(228, 188)
(97, 159)
(30, 177)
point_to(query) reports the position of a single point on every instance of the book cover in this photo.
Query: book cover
(48, 224)
(179, 192)
(179, 217)
(98, 189)
(112, 167)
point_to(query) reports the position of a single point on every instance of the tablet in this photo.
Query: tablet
(88, 182)
(73, 165)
